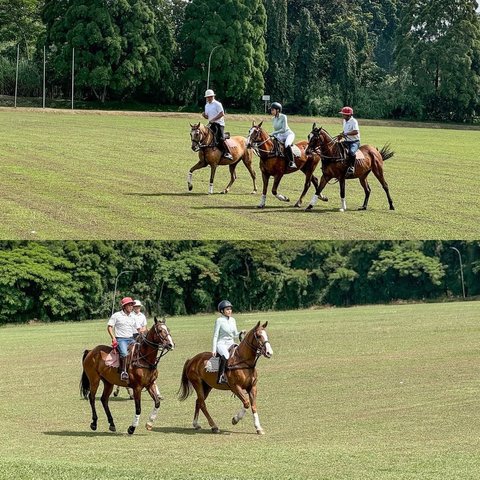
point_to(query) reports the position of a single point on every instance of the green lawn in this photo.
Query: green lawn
(86, 175)
(376, 392)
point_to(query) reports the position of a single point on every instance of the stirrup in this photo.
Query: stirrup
(292, 165)
(350, 171)
(222, 380)
(124, 376)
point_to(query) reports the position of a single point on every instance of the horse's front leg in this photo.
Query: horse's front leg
(247, 160)
(233, 177)
(276, 183)
(137, 395)
(253, 401)
(200, 164)
(343, 202)
(107, 390)
(213, 169)
(153, 391)
(318, 193)
(263, 198)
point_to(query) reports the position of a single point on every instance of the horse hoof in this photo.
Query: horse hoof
(260, 206)
(197, 427)
(298, 205)
(362, 208)
(130, 430)
(309, 207)
(190, 188)
(149, 426)
(324, 199)
(341, 210)
(215, 430)
(254, 192)
(392, 208)
(115, 393)
(93, 426)
(234, 421)
(260, 431)
(225, 191)
(112, 428)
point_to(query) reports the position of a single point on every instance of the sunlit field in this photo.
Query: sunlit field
(88, 176)
(375, 392)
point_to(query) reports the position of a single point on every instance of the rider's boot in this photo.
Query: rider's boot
(289, 155)
(351, 163)
(124, 374)
(226, 153)
(221, 379)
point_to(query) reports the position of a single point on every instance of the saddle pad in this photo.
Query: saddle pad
(212, 364)
(112, 359)
(230, 144)
(359, 155)
(296, 151)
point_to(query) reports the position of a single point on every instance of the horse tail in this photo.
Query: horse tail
(84, 381)
(386, 152)
(185, 386)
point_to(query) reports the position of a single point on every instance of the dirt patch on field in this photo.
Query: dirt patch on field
(243, 117)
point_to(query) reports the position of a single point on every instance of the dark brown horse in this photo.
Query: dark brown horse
(273, 164)
(203, 142)
(241, 376)
(369, 159)
(142, 373)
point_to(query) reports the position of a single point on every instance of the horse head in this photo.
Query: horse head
(256, 134)
(257, 339)
(314, 139)
(159, 336)
(196, 136)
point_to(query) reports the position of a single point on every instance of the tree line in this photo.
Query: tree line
(75, 280)
(387, 58)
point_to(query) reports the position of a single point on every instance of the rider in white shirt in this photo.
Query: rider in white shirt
(224, 334)
(350, 136)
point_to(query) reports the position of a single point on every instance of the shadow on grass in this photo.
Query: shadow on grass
(192, 431)
(187, 194)
(106, 433)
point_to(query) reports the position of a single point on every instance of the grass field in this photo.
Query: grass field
(88, 176)
(375, 392)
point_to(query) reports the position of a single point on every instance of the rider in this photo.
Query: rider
(224, 335)
(124, 325)
(140, 318)
(282, 132)
(215, 114)
(351, 136)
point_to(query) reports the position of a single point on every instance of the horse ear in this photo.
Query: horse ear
(314, 125)
(265, 324)
(155, 319)
(257, 325)
(253, 123)
(260, 124)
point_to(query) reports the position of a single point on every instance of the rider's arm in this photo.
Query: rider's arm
(216, 331)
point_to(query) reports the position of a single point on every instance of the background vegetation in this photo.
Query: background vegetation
(387, 58)
(75, 280)
(383, 392)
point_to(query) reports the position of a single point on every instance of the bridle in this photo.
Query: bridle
(256, 145)
(162, 347)
(196, 136)
(315, 135)
(260, 349)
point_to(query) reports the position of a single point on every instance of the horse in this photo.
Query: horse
(203, 142)
(272, 164)
(142, 373)
(333, 156)
(241, 376)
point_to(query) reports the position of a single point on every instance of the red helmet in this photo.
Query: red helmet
(346, 111)
(126, 301)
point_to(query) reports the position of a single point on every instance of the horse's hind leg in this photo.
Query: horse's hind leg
(378, 172)
(318, 192)
(233, 177)
(107, 390)
(276, 183)
(367, 190)
(91, 398)
(202, 393)
(247, 160)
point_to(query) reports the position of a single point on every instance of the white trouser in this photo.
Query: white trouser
(222, 349)
(286, 138)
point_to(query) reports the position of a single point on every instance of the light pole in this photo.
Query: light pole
(115, 288)
(209, 61)
(461, 269)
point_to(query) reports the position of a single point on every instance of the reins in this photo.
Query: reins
(258, 353)
(159, 347)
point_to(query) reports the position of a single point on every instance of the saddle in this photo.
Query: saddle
(358, 154)
(113, 358)
(212, 364)
(279, 149)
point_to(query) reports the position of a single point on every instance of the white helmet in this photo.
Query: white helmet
(209, 93)
(137, 303)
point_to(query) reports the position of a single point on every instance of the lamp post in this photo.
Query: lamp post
(461, 269)
(209, 61)
(115, 288)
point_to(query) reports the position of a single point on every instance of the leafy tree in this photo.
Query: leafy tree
(278, 77)
(439, 45)
(237, 66)
(116, 45)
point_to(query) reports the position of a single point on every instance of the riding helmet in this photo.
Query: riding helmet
(126, 301)
(346, 111)
(209, 93)
(223, 305)
(277, 106)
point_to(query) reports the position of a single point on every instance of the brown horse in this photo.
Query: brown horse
(142, 373)
(273, 164)
(334, 165)
(203, 142)
(241, 376)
